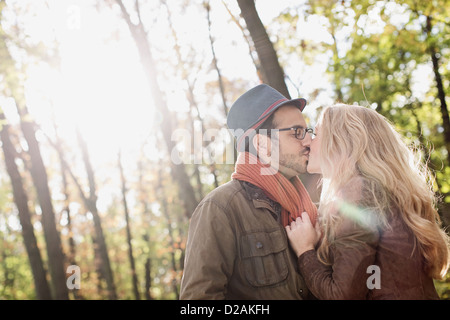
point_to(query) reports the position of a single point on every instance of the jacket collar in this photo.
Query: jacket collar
(261, 200)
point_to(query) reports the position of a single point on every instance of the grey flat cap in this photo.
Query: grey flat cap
(251, 109)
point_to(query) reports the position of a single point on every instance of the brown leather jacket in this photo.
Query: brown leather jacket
(393, 253)
(237, 249)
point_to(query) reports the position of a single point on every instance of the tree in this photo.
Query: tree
(128, 229)
(91, 204)
(272, 73)
(433, 50)
(21, 200)
(14, 87)
(178, 171)
(146, 214)
(213, 51)
(39, 175)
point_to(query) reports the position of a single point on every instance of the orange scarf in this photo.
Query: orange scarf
(292, 196)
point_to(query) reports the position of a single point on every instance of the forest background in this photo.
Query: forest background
(113, 120)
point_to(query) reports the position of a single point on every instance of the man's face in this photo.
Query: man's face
(293, 154)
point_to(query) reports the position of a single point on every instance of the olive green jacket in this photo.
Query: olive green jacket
(237, 249)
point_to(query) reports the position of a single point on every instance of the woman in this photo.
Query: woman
(381, 234)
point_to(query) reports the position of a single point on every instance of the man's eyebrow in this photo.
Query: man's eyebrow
(296, 126)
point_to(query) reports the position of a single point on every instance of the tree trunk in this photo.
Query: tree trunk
(143, 196)
(91, 205)
(178, 171)
(165, 211)
(21, 200)
(128, 229)
(251, 47)
(193, 102)
(273, 74)
(66, 209)
(102, 264)
(433, 51)
(336, 66)
(216, 66)
(148, 279)
(40, 180)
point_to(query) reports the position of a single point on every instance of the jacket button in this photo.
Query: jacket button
(259, 245)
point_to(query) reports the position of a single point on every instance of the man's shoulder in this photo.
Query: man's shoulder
(222, 199)
(224, 192)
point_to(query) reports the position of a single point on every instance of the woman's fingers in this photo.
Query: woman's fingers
(299, 221)
(305, 218)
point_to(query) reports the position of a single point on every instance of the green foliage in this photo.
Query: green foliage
(443, 287)
(15, 272)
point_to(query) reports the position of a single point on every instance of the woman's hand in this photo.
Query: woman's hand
(302, 235)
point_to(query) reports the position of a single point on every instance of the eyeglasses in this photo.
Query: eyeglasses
(300, 132)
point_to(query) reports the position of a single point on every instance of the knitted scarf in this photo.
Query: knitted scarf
(291, 195)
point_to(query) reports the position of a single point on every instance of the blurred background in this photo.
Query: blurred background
(113, 120)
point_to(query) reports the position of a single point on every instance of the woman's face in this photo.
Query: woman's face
(314, 154)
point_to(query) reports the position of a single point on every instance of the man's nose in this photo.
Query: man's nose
(306, 142)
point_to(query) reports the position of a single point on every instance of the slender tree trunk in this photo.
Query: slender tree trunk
(128, 229)
(165, 211)
(193, 102)
(21, 200)
(273, 74)
(66, 209)
(143, 195)
(178, 171)
(336, 65)
(148, 279)
(433, 51)
(190, 97)
(40, 180)
(251, 48)
(91, 204)
(216, 66)
(102, 264)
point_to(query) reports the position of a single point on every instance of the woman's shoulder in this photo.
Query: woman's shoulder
(364, 192)
(360, 203)
(352, 191)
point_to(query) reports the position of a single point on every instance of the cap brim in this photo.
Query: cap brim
(299, 103)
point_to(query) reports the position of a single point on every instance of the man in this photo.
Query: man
(237, 246)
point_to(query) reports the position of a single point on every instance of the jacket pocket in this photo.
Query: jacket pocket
(264, 257)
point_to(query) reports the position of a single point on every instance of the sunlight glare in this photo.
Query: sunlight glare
(364, 217)
(101, 88)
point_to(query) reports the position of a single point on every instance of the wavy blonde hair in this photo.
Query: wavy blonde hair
(358, 143)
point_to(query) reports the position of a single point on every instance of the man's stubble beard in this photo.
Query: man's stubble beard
(294, 162)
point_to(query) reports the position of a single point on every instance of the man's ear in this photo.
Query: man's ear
(262, 144)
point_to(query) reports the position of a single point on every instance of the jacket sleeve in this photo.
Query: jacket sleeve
(353, 252)
(210, 254)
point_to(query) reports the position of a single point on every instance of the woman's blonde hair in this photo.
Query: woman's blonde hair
(359, 143)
